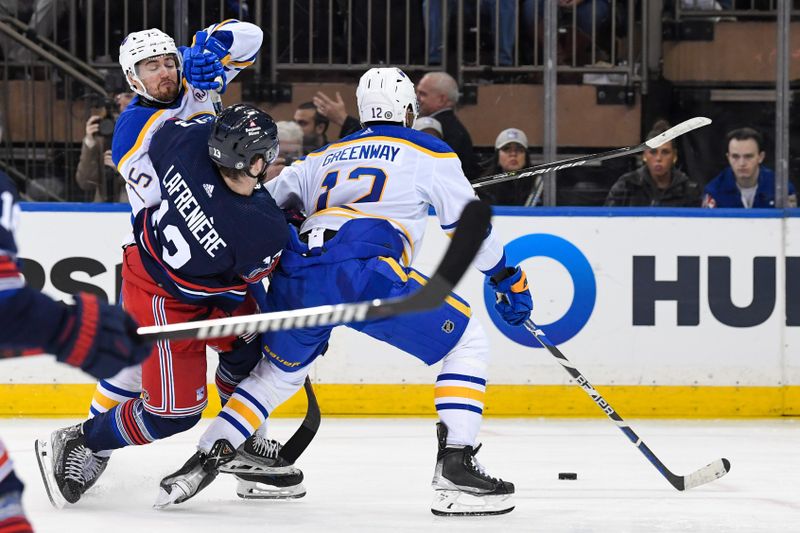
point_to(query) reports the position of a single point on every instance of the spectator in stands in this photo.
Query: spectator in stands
(429, 125)
(335, 112)
(437, 93)
(745, 182)
(432, 12)
(657, 183)
(96, 170)
(314, 125)
(290, 139)
(511, 153)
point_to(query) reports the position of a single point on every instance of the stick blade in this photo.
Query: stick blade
(707, 474)
(676, 131)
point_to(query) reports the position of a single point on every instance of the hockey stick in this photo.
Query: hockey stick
(301, 438)
(469, 235)
(676, 131)
(704, 475)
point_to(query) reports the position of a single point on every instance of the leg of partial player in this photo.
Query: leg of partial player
(248, 408)
(12, 517)
(462, 486)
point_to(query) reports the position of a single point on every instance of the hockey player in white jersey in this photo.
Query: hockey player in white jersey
(367, 199)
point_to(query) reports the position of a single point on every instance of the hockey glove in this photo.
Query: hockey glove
(203, 63)
(514, 302)
(99, 338)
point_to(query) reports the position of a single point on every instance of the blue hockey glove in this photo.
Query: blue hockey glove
(514, 302)
(99, 338)
(203, 63)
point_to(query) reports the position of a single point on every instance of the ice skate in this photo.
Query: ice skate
(261, 472)
(198, 472)
(462, 487)
(63, 462)
(93, 469)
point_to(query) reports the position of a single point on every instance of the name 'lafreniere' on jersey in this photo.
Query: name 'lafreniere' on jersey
(387, 172)
(203, 243)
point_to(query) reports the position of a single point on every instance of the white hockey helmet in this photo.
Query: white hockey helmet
(387, 95)
(145, 44)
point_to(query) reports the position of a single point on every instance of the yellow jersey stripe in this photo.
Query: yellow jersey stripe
(238, 64)
(221, 24)
(244, 411)
(452, 302)
(332, 146)
(459, 392)
(105, 401)
(396, 267)
(140, 138)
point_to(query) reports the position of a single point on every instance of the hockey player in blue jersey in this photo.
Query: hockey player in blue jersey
(367, 199)
(99, 338)
(215, 231)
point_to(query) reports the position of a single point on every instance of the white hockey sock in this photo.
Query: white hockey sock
(461, 385)
(258, 395)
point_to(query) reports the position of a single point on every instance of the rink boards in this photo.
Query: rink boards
(685, 313)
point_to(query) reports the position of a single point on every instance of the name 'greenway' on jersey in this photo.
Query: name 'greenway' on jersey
(386, 172)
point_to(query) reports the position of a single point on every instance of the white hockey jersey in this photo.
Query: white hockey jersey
(387, 172)
(136, 125)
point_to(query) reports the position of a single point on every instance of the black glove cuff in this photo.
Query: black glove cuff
(503, 274)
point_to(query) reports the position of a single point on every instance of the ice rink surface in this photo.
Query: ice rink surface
(374, 475)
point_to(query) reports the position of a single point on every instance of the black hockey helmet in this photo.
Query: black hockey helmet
(241, 133)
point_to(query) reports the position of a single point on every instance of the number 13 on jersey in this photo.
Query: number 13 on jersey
(347, 187)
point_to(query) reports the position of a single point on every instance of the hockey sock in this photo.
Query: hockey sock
(129, 424)
(258, 395)
(113, 391)
(461, 385)
(8, 481)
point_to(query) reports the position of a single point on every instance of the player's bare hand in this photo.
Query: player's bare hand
(108, 161)
(92, 128)
(334, 110)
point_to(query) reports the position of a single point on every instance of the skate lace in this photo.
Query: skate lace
(266, 447)
(478, 468)
(75, 465)
(94, 465)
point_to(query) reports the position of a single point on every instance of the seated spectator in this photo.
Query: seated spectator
(745, 182)
(334, 111)
(657, 183)
(96, 170)
(437, 93)
(429, 125)
(511, 153)
(314, 125)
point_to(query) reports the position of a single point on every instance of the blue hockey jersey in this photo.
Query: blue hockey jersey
(204, 242)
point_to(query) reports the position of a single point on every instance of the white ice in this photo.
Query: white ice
(374, 475)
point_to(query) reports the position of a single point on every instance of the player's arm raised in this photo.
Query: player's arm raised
(448, 191)
(219, 52)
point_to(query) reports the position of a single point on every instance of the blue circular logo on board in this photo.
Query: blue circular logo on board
(584, 294)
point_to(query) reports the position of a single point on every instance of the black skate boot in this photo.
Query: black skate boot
(63, 460)
(94, 468)
(462, 486)
(198, 472)
(262, 473)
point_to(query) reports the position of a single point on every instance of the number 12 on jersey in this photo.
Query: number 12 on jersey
(332, 178)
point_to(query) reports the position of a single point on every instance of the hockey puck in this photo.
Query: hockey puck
(567, 475)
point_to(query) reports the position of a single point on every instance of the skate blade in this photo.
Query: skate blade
(252, 490)
(44, 458)
(175, 494)
(241, 467)
(457, 503)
